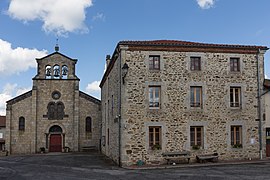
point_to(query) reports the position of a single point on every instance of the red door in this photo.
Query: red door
(55, 143)
(268, 150)
(267, 147)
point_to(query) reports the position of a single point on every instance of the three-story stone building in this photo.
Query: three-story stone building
(168, 96)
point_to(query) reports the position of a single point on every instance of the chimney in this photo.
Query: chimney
(108, 60)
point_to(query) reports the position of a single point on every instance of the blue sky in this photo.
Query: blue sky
(88, 30)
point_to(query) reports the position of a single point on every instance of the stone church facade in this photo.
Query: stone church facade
(171, 96)
(55, 115)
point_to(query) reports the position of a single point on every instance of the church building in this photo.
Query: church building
(55, 115)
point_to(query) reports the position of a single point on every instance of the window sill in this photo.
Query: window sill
(154, 70)
(236, 149)
(156, 151)
(235, 108)
(235, 72)
(154, 108)
(196, 109)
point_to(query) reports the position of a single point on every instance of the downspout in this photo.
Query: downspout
(259, 103)
(119, 109)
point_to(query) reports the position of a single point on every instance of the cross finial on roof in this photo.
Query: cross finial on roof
(56, 48)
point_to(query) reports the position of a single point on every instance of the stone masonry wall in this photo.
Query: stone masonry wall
(175, 115)
(267, 109)
(19, 142)
(110, 112)
(93, 110)
(45, 88)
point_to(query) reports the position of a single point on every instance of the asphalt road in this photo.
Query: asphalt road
(95, 166)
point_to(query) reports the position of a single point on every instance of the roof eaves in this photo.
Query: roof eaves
(188, 44)
(38, 59)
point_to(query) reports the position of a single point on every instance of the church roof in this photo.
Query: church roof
(90, 98)
(19, 98)
(58, 54)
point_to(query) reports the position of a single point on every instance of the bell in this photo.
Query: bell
(48, 72)
(64, 72)
(56, 73)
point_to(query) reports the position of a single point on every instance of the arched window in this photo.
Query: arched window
(48, 72)
(51, 110)
(55, 110)
(88, 124)
(64, 72)
(21, 123)
(60, 110)
(56, 71)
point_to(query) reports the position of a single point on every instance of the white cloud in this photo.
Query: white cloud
(58, 16)
(93, 86)
(99, 16)
(7, 94)
(22, 90)
(93, 89)
(17, 60)
(3, 98)
(206, 4)
(266, 76)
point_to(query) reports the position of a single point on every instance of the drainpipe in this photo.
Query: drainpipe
(259, 103)
(119, 108)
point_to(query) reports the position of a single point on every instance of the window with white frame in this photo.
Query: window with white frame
(154, 97)
(235, 96)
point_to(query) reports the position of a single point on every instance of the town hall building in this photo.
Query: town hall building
(54, 115)
(168, 96)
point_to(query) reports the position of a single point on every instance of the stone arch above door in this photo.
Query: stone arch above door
(55, 124)
(55, 129)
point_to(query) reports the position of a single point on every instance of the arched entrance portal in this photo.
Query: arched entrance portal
(55, 139)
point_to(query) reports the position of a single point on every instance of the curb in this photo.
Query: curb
(195, 165)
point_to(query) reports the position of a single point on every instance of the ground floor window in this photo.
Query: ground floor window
(196, 137)
(155, 137)
(236, 136)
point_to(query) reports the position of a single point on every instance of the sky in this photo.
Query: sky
(88, 30)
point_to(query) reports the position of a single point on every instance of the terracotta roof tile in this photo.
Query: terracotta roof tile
(187, 43)
(181, 46)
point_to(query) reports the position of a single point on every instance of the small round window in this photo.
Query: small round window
(56, 95)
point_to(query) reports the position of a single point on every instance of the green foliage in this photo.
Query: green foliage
(237, 146)
(196, 147)
(156, 147)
